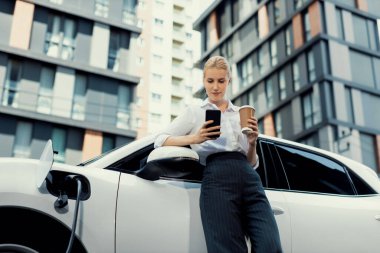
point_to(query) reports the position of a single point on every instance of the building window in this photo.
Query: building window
(365, 32)
(60, 37)
(296, 76)
(158, 22)
(59, 144)
(288, 39)
(311, 109)
(56, 1)
(158, 40)
(263, 60)
(362, 69)
(101, 8)
(117, 41)
(279, 11)
(108, 143)
(129, 12)
(349, 105)
(157, 78)
(13, 77)
(269, 92)
(368, 150)
(306, 26)
(226, 50)
(246, 72)
(273, 52)
(156, 97)
(340, 23)
(299, 3)
(311, 66)
(311, 140)
(79, 97)
(123, 112)
(278, 124)
(282, 84)
(45, 93)
(23, 138)
(155, 118)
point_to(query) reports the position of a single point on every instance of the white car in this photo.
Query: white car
(134, 199)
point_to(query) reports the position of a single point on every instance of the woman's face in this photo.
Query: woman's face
(215, 82)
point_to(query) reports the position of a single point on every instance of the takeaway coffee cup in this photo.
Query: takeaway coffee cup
(246, 112)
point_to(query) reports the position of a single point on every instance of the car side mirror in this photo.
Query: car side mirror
(171, 162)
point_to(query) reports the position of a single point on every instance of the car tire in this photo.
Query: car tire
(15, 248)
(34, 231)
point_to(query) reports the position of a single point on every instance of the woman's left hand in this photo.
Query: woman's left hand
(252, 136)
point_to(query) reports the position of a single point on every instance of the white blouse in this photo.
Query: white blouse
(189, 122)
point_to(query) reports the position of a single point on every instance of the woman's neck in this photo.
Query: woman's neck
(222, 105)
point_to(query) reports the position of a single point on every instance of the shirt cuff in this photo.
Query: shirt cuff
(256, 165)
(160, 140)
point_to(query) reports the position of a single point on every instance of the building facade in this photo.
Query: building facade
(310, 67)
(165, 51)
(67, 73)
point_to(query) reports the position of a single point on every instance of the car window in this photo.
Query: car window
(273, 174)
(133, 162)
(309, 172)
(361, 187)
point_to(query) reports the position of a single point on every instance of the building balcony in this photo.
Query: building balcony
(178, 53)
(179, 17)
(178, 72)
(180, 3)
(179, 35)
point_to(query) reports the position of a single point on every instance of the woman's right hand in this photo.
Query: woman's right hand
(206, 133)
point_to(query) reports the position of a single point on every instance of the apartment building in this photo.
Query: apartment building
(310, 67)
(67, 73)
(166, 51)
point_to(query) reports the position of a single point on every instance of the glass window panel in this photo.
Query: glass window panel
(368, 148)
(296, 76)
(288, 39)
(361, 69)
(123, 114)
(309, 172)
(282, 84)
(311, 66)
(108, 143)
(340, 24)
(278, 124)
(273, 52)
(45, 93)
(79, 98)
(360, 31)
(101, 8)
(269, 92)
(13, 76)
(23, 139)
(307, 29)
(59, 143)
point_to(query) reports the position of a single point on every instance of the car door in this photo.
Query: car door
(157, 216)
(274, 182)
(164, 215)
(326, 213)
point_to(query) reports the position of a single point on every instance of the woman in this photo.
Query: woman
(232, 202)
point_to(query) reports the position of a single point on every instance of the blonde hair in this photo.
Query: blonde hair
(217, 62)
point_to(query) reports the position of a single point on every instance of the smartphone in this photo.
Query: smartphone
(215, 116)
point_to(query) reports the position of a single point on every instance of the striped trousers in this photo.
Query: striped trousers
(234, 205)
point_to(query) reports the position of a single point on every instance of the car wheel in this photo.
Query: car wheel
(15, 248)
(34, 231)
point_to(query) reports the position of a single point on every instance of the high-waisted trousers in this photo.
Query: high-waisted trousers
(234, 205)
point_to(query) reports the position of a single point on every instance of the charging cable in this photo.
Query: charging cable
(79, 192)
